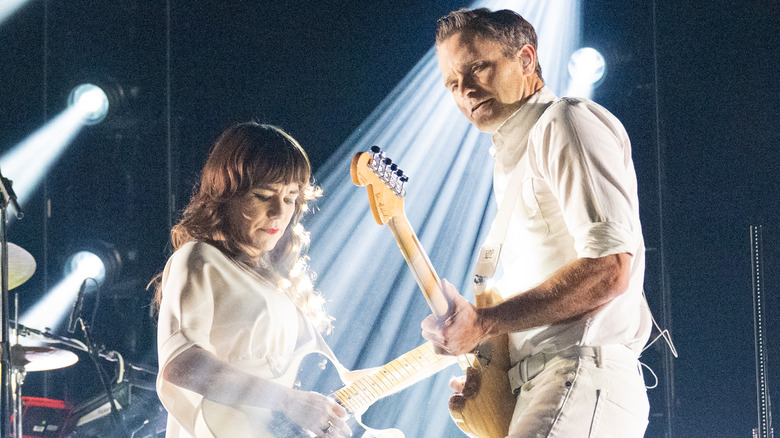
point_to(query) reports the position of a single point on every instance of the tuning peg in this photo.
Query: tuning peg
(389, 172)
(400, 187)
(383, 167)
(377, 155)
(392, 175)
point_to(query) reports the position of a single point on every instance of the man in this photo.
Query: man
(573, 255)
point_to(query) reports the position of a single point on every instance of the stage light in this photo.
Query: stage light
(587, 65)
(9, 7)
(27, 163)
(85, 264)
(97, 259)
(93, 259)
(587, 68)
(91, 101)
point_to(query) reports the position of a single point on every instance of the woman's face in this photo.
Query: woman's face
(264, 213)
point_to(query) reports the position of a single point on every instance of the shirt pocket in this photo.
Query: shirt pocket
(530, 208)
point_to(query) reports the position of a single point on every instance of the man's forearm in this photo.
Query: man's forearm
(581, 287)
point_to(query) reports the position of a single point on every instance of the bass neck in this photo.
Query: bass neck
(419, 264)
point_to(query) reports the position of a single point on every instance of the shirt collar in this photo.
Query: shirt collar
(514, 130)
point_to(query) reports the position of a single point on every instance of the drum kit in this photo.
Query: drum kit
(21, 266)
(29, 358)
(16, 360)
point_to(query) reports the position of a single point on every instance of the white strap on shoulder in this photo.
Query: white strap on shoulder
(490, 252)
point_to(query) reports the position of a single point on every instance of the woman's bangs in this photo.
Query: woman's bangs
(280, 165)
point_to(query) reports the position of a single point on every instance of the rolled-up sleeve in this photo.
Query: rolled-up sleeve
(583, 153)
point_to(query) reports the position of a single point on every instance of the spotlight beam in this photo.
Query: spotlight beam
(50, 311)
(27, 163)
(9, 7)
(449, 203)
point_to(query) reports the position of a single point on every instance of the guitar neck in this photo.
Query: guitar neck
(420, 265)
(363, 392)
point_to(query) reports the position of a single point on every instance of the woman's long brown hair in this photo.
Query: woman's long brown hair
(246, 156)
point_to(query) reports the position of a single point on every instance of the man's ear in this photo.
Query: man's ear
(527, 55)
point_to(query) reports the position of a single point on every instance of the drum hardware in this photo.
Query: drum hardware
(24, 359)
(27, 359)
(95, 354)
(8, 197)
(134, 393)
(16, 267)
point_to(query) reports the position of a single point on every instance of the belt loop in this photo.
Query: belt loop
(599, 357)
(524, 370)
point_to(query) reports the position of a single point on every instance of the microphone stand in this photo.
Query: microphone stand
(94, 354)
(8, 197)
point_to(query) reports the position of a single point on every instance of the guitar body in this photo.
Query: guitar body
(248, 422)
(484, 409)
(223, 421)
(313, 370)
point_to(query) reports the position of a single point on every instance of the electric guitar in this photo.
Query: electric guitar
(484, 408)
(223, 421)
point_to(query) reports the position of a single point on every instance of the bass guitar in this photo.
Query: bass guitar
(250, 422)
(484, 408)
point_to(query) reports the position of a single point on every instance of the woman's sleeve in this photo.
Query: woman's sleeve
(187, 307)
(186, 316)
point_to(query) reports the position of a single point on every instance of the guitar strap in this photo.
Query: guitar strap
(490, 252)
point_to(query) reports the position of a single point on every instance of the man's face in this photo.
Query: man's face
(487, 86)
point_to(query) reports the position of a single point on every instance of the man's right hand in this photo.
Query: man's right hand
(459, 331)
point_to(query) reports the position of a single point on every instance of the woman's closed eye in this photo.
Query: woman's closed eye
(265, 198)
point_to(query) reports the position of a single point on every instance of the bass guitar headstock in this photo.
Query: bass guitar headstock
(384, 182)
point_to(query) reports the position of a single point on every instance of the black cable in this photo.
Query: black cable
(94, 355)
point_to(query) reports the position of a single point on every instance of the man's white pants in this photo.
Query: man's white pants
(597, 392)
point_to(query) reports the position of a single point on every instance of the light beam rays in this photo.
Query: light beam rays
(376, 302)
(9, 7)
(50, 311)
(27, 163)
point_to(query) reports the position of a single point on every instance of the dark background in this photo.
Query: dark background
(695, 84)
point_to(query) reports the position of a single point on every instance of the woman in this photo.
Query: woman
(236, 303)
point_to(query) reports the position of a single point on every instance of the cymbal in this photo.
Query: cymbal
(21, 265)
(41, 358)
